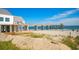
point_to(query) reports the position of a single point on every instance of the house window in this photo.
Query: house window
(7, 19)
(1, 19)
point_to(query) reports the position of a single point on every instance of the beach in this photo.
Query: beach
(42, 39)
(58, 32)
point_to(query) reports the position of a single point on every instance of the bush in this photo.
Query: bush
(77, 40)
(7, 45)
(69, 42)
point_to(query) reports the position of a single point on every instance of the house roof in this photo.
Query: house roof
(4, 11)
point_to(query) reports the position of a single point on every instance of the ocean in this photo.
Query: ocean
(53, 27)
(71, 27)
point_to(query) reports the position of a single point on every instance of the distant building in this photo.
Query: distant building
(10, 23)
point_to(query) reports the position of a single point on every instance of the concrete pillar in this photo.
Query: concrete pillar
(50, 27)
(10, 28)
(14, 28)
(21, 28)
(47, 27)
(36, 27)
(0, 28)
(42, 27)
(27, 27)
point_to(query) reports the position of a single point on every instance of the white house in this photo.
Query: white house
(10, 23)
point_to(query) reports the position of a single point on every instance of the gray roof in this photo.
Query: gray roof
(4, 11)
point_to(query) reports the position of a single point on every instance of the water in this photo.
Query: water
(53, 27)
(71, 27)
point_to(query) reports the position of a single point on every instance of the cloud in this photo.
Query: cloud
(62, 15)
(65, 21)
(68, 21)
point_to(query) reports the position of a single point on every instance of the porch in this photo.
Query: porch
(12, 28)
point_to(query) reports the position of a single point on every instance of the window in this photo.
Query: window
(1, 18)
(7, 19)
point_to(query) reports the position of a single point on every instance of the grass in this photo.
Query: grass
(17, 33)
(29, 34)
(72, 42)
(34, 35)
(77, 40)
(7, 45)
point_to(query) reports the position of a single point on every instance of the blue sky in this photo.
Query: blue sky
(67, 16)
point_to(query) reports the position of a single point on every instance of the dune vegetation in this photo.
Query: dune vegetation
(29, 38)
(73, 43)
(7, 45)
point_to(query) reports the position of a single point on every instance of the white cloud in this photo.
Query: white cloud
(68, 21)
(62, 15)
(65, 21)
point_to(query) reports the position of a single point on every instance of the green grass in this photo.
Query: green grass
(34, 35)
(72, 42)
(77, 40)
(7, 45)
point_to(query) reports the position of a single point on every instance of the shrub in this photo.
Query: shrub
(69, 42)
(77, 40)
(7, 45)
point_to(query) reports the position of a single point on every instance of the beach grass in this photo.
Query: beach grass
(34, 35)
(77, 40)
(7, 45)
(30, 34)
(73, 43)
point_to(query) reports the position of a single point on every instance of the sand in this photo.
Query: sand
(25, 42)
(58, 32)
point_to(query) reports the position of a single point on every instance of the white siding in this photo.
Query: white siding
(6, 16)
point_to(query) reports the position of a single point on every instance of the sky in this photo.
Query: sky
(67, 16)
